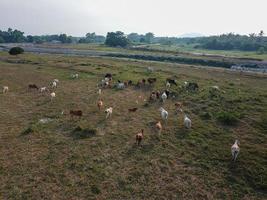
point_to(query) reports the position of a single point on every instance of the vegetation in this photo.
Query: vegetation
(176, 59)
(115, 39)
(227, 118)
(92, 38)
(16, 51)
(252, 42)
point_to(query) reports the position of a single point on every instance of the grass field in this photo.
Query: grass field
(61, 160)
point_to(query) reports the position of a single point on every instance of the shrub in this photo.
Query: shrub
(227, 118)
(27, 131)
(95, 189)
(16, 51)
(82, 133)
(205, 115)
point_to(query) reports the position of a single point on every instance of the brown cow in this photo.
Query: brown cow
(33, 86)
(77, 113)
(132, 109)
(139, 137)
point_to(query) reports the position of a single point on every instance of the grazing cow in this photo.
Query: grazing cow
(153, 96)
(5, 89)
(99, 91)
(163, 113)
(139, 137)
(151, 80)
(130, 82)
(159, 127)
(164, 97)
(109, 76)
(143, 81)
(33, 86)
(100, 104)
(178, 107)
(138, 84)
(105, 83)
(167, 92)
(54, 84)
(120, 86)
(52, 95)
(187, 122)
(171, 81)
(235, 150)
(108, 111)
(75, 76)
(150, 69)
(132, 109)
(77, 113)
(43, 89)
(168, 85)
(215, 87)
(158, 94)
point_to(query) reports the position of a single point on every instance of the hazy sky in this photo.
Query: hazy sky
(164, 18)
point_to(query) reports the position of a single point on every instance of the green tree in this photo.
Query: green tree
(118, 38)
(149, 37)
(16, 50)
(64, 38)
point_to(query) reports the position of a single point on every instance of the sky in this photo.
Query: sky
(163, 18)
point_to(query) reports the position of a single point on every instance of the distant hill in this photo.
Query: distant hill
(191, 35)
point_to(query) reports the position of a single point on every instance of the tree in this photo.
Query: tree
(1, 40)
(261, 50)
(118, 38)
(149, 37)
(64, 38)
(16, 51)
(134, 37)
(30, 38)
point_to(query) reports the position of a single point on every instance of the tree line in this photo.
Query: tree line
(251, 42)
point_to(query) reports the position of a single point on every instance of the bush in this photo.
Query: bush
(27, 131)
(16, 50)
(95, 189)
(83, 133)
(227, 118)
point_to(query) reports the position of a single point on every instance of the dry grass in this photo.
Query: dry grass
(49, 162)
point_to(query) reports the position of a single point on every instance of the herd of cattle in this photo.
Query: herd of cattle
(160, 95)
